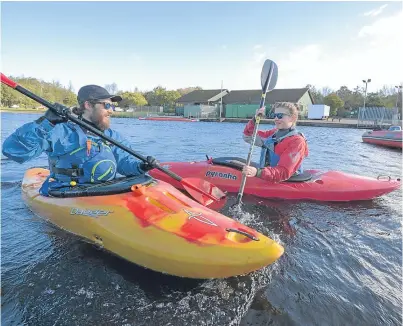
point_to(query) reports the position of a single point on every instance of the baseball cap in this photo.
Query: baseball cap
(95, 92)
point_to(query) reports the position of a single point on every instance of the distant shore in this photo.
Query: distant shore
(343, 123)
(9, 110)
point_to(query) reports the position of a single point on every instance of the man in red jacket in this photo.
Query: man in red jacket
(283, 148)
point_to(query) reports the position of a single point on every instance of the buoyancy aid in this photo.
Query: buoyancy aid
(268, 157)
(92, 161)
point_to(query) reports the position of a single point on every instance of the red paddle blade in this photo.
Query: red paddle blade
(8, 81)
(203, 191)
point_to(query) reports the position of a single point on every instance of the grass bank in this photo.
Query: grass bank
(11, 110)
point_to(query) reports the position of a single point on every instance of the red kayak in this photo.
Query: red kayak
(388, 138)
(168, 118)
(311, 185)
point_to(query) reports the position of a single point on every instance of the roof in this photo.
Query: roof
(276, 95)
(201, 96)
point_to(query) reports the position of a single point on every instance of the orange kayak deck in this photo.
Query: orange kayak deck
(158, 227)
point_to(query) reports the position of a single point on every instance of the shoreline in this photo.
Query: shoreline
(347, 123)
(2, 110)
(344, 123)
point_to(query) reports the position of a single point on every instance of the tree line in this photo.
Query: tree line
(345, 102)
(55, 92)
(342, 102)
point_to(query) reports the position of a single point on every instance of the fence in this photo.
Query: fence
(200, 111)
(378, 117)
(141, 111)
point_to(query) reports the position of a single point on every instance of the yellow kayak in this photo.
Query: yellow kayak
(152, 224)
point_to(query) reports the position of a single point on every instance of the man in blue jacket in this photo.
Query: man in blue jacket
(76, 156)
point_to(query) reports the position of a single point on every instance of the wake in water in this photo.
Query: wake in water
(73, 276)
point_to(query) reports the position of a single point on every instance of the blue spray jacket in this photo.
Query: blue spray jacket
(74, 154)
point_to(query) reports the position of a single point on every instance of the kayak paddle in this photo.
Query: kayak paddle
(203, 191)
(268, 81)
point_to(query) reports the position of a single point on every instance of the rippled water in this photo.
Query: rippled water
(342, 263)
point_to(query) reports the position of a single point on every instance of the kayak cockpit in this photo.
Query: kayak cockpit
(113, 187)
(238, 163)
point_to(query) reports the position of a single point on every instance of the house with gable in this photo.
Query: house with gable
(244, 103)
(200, 103)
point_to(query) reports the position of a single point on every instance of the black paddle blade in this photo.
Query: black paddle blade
(265, 75)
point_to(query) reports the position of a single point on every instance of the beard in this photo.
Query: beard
(100, 120)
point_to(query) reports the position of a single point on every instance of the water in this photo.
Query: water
(342, 261)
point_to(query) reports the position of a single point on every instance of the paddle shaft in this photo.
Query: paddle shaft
(257, 120)
(95, 131)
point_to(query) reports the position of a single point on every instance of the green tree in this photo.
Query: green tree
(352, 99)
(8, 98)
(187, 90)
(53, 92)
(159, 96)
(139, 99)
(151, 98)
(170, 99)
(132, 98)
(344, 93)
(334, 102)
(373, 100)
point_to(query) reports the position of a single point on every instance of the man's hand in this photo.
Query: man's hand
(149, 165)
(53, 117)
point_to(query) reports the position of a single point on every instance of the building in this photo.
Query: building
(200, 103)
(244, 103)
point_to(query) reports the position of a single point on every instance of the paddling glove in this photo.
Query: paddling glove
(52, 117)
(149, 165)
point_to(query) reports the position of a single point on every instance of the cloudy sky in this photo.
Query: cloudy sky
(181, 44)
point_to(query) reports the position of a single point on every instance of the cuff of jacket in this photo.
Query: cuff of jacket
(259, 173)
(140, 165)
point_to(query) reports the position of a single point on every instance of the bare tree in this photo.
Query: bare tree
(70, 87)
(326, 91)
(112, 88)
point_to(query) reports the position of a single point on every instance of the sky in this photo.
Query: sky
(181, 44)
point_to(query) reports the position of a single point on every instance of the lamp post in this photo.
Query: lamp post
(366, 87)
(398, 89)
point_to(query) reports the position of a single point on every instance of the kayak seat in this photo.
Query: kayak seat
(113, 187)
(304, 176)
(231, 162)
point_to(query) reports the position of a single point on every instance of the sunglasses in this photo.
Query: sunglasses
(107, 105)
(280, 115)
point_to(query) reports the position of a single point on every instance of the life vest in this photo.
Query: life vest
(91, 162)
(268, 157)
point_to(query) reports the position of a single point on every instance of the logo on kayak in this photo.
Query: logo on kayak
(215, 174)
(199, 217)
(89, 212)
